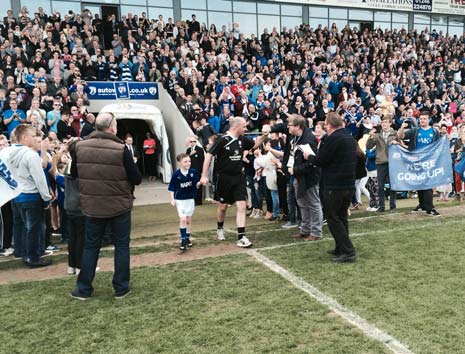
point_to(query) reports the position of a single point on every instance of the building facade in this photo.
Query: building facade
(253, 16)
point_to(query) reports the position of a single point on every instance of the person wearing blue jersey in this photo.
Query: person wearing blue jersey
(183, 188)
(419, 137)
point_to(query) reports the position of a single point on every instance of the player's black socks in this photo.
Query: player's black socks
(240, 232)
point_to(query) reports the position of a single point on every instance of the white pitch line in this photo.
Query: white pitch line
(367, 328)
(422, 226)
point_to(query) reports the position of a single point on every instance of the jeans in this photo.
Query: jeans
(360, 188)
(294, 211)
(64, 224)
(383, 176)
(77, 236)
(282, 186)
(336, 203)
(18, 232)
(253, 193)
(46, 237)
(264, 192)
(310, 208)
(95, 229)
(275, 199)
(31, 221)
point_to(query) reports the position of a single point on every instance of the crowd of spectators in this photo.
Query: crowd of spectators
(213, 74)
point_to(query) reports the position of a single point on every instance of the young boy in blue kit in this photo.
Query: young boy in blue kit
(183, 188)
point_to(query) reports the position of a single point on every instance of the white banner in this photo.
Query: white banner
(452, 7)
(9, 187)
(396, 5)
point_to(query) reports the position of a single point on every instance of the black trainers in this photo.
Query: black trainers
(123, 295)
(183, 246)
(343, 258)
(418, 209)
(433, 212)
(189, 243)
(40, 263)
(76, 294)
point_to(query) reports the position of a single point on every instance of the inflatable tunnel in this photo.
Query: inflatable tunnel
(153, 118)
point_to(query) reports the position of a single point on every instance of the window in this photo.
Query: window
(33, 6)
(421, 27)
(361, 15)
(439, 20)
(382, 16)
(247, 23)
(315, 11)
(220, 5)
(134, 10)
(383, 25)
(64, 6)
(247, 7)
(315, 22)
(200, 16)
(268, 22)
(456, 21)
(456, 31)
(338, 13)
(5, 5)
(269, 9)
(439, 28)
(155, 11)
(162, 3)
(188, 4)
(289, 10)
(399, 26)
(417, 18)
(354, 24)
(340, 24)
(400, 17)
(135, 2)
(290, 22)
(220, 19)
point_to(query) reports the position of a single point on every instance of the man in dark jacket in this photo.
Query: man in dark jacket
(107, 176)
(336, 157)
(307, 178)
(88, 126)
(197, 155)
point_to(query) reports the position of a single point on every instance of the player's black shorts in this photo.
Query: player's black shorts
(230, 189)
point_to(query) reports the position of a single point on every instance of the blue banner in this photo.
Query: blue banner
(424, 168)
(122, 90)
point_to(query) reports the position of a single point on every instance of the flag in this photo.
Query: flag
(459, 167)
(420, 169)
(9, 186)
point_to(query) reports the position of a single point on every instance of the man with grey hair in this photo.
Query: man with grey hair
(88, 126)
(107, 175)
(231, 186)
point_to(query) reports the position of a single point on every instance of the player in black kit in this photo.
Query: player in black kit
(229, 151)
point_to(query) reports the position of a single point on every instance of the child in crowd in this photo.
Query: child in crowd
(60, 197)
(183, 188)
